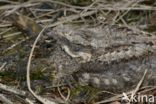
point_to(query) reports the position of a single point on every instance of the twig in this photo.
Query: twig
(90, 6)
(45, 20)
(60, 3)
(139, 84)
(14, 45)
(68, 96)
(7, 13)
(62, 96)
(112, 99)
(29, 101)
(5, 100)
(5, 25)
(106, 7)
(13, 34)
(12, 89)
(2, 66)
(126, 8)
(71, 18)
(5, 31)
(149, 89)
(8, 1)
(121, 16)
(27, 4)
(39, 98)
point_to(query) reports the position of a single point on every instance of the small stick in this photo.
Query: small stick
(12, 89)
(139, 84)
(1, 68)
(5, 100)
(39, 98)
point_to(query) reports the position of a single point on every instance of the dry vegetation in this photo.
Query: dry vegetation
(26, 77)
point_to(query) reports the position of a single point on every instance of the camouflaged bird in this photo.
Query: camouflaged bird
(108, 57)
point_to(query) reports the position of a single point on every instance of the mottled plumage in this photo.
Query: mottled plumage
(107, 57)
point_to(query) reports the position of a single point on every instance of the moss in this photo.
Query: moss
(85, 93)
(8, 75)
(37, 73)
